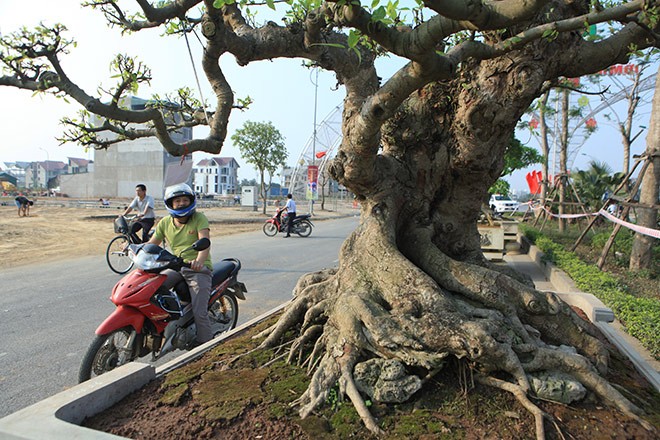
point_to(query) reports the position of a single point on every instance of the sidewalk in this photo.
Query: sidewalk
(58, 416)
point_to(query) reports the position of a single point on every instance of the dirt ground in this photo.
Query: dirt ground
(236, 393)
(56, 231)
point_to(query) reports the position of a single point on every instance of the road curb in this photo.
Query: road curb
(58, 417)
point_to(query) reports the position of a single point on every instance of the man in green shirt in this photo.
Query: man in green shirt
(181, 229)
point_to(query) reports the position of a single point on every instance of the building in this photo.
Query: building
(119, 168)
(17, 169)
(217, 176)
(43, 175)
(79, 166)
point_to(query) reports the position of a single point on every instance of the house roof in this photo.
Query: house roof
(52, 165)
(79, 162)
(217, 161)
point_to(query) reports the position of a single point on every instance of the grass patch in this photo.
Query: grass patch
(639, 315)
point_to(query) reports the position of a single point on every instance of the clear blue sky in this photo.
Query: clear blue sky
(283, 91)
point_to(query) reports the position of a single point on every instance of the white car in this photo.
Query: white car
(500, 204)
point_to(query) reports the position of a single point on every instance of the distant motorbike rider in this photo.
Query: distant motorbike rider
(290, 208)
(181, 229)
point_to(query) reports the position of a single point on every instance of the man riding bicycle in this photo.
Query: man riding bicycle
(144, 205)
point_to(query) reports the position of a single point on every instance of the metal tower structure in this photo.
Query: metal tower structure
(326, 138)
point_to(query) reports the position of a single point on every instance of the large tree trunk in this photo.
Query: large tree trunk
(412, 287)
(642, 249)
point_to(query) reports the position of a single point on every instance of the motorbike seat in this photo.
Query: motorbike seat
(222, 271)
(303, 216)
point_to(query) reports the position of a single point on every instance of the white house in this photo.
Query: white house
(217, 175)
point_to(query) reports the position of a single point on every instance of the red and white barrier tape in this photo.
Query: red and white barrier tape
(641, 229)
(588, 214)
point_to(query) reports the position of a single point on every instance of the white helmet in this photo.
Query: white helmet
(180, 189)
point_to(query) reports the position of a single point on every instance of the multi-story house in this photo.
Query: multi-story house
(79, 166)
(44, 174)
(217, 175)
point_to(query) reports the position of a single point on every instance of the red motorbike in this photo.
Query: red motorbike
(151, 318)
(302, 225)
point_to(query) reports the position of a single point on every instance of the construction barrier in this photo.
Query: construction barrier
(641, 229)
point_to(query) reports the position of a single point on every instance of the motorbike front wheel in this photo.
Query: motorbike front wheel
(117, 255)
(304, 228)
(107, 352)
(223, 314)
(270, 229)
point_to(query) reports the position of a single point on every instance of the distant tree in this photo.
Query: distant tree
(559, 114)
(632, 88)
(262, 145)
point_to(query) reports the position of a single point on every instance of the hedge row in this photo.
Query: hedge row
(640, 316)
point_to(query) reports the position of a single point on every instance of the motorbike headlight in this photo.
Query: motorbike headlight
(147, 261)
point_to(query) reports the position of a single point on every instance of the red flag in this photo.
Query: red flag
(320, 154)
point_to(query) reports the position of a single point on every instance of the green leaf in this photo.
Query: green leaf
(218, 3)
(353, 38)
(583, 101)
(378, 14)
(271, 4)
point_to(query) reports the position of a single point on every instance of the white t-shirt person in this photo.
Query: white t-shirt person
(144, 206)
(290, 206)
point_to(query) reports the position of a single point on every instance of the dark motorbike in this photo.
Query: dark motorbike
(302, 225)
(150, 318)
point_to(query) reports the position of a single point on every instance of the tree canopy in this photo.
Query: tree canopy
(262, 145)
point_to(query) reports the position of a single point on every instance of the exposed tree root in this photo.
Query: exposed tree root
(521, 395)
(420, 308)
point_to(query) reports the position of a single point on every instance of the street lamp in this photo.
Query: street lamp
(316, 90)
(46, 169)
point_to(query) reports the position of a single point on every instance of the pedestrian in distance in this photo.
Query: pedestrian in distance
(23, 204)
(144, 205)
(290, 209)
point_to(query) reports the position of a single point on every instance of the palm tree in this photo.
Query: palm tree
(592, 183)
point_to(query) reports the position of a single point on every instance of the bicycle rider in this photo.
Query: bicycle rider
(144, 205)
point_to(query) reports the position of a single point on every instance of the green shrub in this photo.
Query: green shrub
(530, 233)
(640, 316)
(622, 242)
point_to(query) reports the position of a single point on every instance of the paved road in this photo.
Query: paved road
(49, 311)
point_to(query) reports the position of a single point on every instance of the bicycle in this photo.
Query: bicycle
(117, 252)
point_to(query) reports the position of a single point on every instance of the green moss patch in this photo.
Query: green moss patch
(226, 394)
(172, 396)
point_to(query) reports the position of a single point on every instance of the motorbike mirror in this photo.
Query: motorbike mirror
(201, 244)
